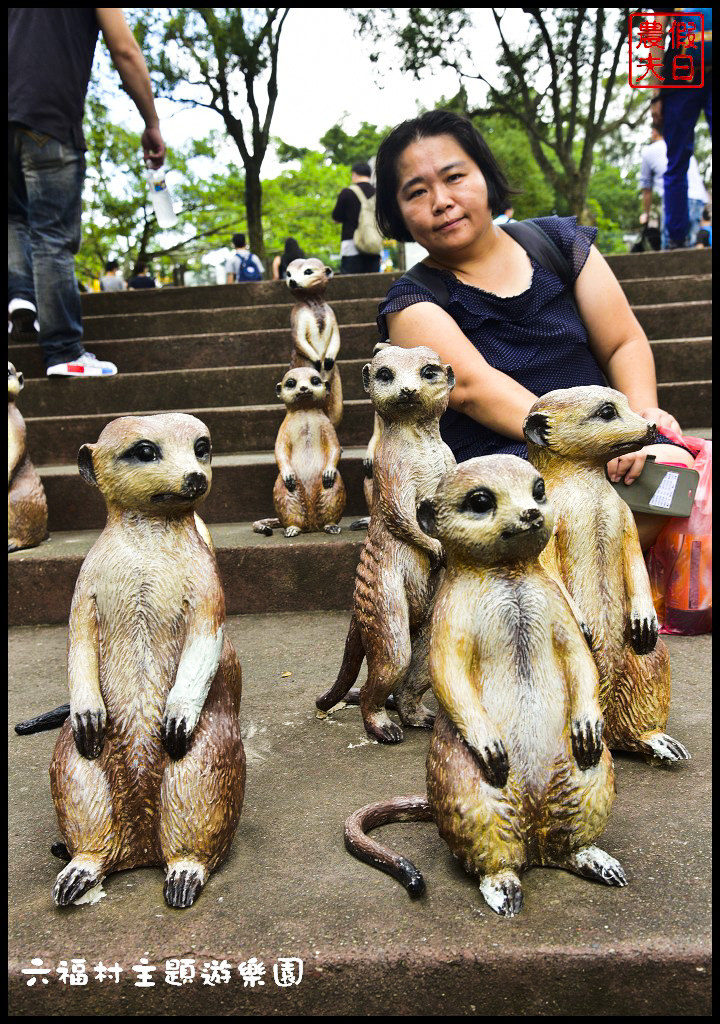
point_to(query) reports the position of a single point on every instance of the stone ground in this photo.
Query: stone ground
(290, 889)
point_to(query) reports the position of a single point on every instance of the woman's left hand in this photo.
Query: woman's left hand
(662, 420)
(628, 466)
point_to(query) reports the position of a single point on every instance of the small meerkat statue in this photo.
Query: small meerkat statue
(27, 504)
(315, 333)
(517, 772)
(400, 566)
(571, 435)
(309, 494)
(149, 769)
(362, 524)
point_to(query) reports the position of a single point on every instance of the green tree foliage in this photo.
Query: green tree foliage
(557, 84)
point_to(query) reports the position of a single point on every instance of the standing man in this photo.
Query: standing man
(243, 265)
(652, 175)
(350, 203)
(50, 55)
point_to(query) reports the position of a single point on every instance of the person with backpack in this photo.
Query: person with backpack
(361, 243)
(242, 265)
(517, 310)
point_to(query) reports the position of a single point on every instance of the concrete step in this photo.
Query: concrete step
(675, 319)
(241, 491)
(260, 574)
(651, 290)
(250, 293)
(251, 428)
(290, 889)
(188, 351)
(678, 262)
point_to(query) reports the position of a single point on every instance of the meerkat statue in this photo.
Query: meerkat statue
(309, 494)
(400, 566)
(316, 337)
(27, 504)
(517, 771)
(571, 435)
(362, 524)
(149, 769)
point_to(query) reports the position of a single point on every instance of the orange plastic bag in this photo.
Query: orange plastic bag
(680, 561)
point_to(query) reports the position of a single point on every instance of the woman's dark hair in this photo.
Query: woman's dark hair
(111, 265)
(429, 125)
(140, 268)
(292, 251)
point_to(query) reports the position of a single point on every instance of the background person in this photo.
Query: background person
(243, 265)
(50, 55)
(652, 173)
(291, 251)
(704, 235)
(141, 277)
(112, 281)
(347, 213)
(508, 328)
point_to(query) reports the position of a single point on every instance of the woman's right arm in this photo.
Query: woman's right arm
(487, 395)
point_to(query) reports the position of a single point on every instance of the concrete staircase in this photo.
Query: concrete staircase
(199, 350)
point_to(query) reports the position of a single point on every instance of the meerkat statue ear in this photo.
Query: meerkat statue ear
(85, 464)
(426, 517)
(278, 389)
(536, 429)
(366, 376)
(328, 272)
(450, 376)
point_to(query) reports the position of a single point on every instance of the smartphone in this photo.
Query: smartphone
(661, 490)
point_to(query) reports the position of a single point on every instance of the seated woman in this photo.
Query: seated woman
(509, 327)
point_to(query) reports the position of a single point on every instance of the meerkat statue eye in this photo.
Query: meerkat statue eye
(539, 490)
(315, 381)
(308, 272)
(385, 375)
(480, 501)
(429, 372)
(290, 383)
(203, 447)
(607, 411)
(144, 451)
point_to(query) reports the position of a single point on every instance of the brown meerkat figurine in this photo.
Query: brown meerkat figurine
(149, 769)
(362, 524)
(315, 333)
(309, 494)
(571, 435)
(27, 504)
(400, 566)
(517, 772)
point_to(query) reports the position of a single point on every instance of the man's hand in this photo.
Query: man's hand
(153, 147)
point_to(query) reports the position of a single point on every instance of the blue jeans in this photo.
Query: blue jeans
(681, 109)
(45, 179)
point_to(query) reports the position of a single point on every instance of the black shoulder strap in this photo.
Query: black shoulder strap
(431, 281)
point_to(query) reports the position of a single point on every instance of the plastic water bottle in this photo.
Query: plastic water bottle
(162, 203)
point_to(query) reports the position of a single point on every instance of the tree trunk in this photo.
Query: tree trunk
(253, 209)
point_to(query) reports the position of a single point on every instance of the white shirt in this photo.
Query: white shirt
(654, 164)
(231, 265)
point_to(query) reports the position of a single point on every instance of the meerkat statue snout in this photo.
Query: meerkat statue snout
(309, 494)
(400, 566)
(27, 504)
(149, 769)
(517, 772)
(316, 337)
(571, 436)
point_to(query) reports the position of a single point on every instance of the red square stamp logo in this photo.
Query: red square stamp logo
(682, 65)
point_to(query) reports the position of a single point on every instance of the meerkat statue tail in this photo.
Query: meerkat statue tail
(352, 662)
(266, 526)
(386, 812)
(44, 722)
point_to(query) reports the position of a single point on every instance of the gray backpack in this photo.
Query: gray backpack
(367, 238)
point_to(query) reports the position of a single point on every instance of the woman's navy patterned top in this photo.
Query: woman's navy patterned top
(537, 337)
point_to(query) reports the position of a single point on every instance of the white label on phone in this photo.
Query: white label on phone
(663, 496)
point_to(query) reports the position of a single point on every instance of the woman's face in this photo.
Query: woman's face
(442, 194)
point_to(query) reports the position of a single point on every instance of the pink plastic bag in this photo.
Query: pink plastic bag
(680, 561)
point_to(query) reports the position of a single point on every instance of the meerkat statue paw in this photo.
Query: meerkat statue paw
(292, 531)
(183, 883)
(328, 478)
(328, 365)
(289, 481)
(644, 633)
(503, 893)
(592, 862)
(81, 874)
(587, 745)
(89, 732)
(332, 528)
(178, 725)
(419, 718)
(492, 758)
(663, 749)
(383, 729)
(368, 468)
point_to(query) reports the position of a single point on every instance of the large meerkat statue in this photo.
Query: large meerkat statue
(571, 436)
(309, 494)
(149, 769)
(316, 337)
(27, 504)
(400, 566)
(362, 524)
(517, 772)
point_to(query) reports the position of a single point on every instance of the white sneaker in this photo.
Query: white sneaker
(85, 365)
